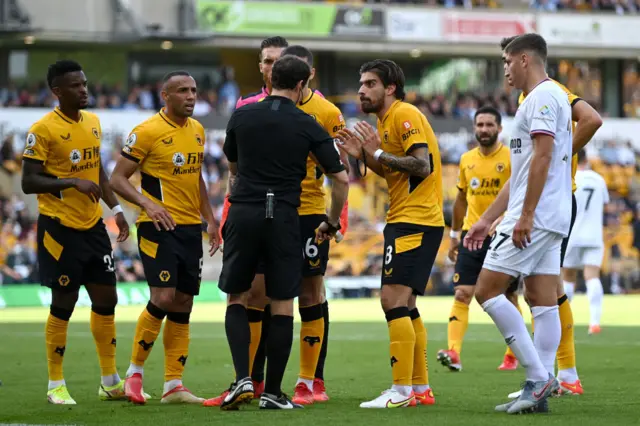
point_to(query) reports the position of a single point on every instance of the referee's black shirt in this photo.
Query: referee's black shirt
(270, 141)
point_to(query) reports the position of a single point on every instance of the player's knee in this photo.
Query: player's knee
(311, 292)
(512, 296)
(257, 295)
(238, 299)
(182, 302)
(394, 296)
(591, 272)
(163, 298)
(463, 295)
(570, 275)
(64, 300)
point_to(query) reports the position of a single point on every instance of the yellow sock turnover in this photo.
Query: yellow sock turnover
(103, 328)
(420, 362)
(402, 345)
(311, 335)
(176, 344)
(458, 323)
(567, 350)
(56, 340)
(147, 330)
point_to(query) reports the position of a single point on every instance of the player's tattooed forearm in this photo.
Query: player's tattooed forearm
(409, 164)
(233, 183)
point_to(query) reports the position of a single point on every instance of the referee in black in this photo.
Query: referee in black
(267, 146)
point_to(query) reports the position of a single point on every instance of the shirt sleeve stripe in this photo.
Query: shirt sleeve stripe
(129, 157)
(544, 132)
(416, 146)
(32, 160)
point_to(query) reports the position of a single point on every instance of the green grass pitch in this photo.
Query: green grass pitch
(357, 370)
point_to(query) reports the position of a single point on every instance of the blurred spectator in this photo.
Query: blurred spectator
(128, 264)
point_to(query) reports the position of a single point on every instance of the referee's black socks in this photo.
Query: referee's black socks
(279, 345)
(236, 324)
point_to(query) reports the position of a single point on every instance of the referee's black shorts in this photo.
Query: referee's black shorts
(565, 241)
(250, 238)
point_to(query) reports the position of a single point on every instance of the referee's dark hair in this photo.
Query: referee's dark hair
(288, 71)
(582, 156)
(300, 52)
(275, 41)
(59, 69)
(488, 109)
(388, 72)
(530, 42)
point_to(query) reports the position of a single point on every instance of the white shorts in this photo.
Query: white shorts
(579, 257)
(540, 257)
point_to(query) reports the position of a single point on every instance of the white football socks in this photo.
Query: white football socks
(569, 289)
(546, 339)
(307, 382)
(135, 369)
(110, 380)
(170, 385)
(595, 294)
(403, 390)
(511, 325)
(55, 383)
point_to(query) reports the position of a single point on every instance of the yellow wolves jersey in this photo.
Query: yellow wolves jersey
(572, 100)
(67, 149)
(170, 158)
(412, 199)
(481, 178)
(312, 199)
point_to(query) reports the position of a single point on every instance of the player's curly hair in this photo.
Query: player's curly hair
(59, 69)
(388, 72)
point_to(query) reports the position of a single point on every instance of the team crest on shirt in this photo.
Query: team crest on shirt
(178, 159)
(199, 140)
(544, 110)
(456, 277)
(75, 156)
(500, 167)
(31, 140)
(95, 133)
(131, 141)
(475, 183)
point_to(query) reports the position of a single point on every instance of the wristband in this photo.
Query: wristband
(117, 209)
(377, 154)
(454, 234)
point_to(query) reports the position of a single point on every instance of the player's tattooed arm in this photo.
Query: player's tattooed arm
(36, 181)
(415, 164)
(233, 178)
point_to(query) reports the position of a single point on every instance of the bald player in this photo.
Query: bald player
(168, 148)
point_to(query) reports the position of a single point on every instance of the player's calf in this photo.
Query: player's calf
(311, 337)
(457, 328)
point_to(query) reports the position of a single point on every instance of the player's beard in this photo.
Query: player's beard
(369, 106)
(487, 140)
